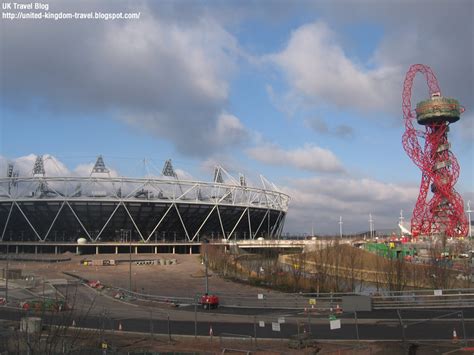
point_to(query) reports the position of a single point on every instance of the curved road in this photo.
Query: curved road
(108, 313)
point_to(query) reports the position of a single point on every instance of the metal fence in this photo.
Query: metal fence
(455, 298)
(451, 298)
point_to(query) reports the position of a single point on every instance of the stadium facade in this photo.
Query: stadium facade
(103, 208)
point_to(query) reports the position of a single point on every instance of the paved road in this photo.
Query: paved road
(468, 313)
(108, 313)
(373, 330)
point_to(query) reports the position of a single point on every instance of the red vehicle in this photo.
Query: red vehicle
(209, 301)
(96, 284)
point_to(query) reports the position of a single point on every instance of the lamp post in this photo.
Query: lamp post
(205, 243)
(469, 215)
(401, 219)
(340, 226)
(371, 226)
(6, 278)
(130, 264)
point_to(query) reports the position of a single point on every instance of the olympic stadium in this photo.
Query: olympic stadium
(103, 209)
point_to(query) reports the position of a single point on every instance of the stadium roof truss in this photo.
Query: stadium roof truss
(68, 192)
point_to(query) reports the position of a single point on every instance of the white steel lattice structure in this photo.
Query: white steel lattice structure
(104, 208)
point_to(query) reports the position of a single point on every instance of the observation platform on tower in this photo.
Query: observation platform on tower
(438, 109)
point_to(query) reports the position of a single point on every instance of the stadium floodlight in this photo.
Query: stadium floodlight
(218, 175)
(11, 174)
(38, 168)
(10, 170)
(99, 166)
(168, 169)
(243, 182)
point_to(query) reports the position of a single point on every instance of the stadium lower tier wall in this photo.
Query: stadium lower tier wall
(59, 221)
(18, 248)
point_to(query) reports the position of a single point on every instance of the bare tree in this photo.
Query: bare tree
(298, 263)
(217, 259)
(321, 263)
(396, 273)
(354, 262)
(58, 333)
(335, 259)
(439, 274)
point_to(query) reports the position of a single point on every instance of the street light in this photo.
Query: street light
(469, 214)
(401, 219)
(371, 226)
(340, 226)
(6, 278)
(204, 245)
(130, 259)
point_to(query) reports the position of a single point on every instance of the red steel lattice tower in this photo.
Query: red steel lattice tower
(439, 209)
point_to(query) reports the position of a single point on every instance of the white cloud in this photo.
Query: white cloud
(52, 165)
(320, 201)
(465, 128)
(183, 174)
(24, 165)
(85, 170)
(196, 57)
(288, 103)
(317, 67)
(309, 157)
(229, 130)
(166, 77)
(320, 126)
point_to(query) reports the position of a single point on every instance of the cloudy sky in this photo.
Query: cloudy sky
(307, 93)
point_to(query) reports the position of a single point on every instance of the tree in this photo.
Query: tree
(439, 274)
(335, 260)
(354, 262)
(298, 264)
(320, 261)
(58, 333)
(396, 273)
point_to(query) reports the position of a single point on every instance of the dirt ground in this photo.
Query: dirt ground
(184, 279)
(216, 345)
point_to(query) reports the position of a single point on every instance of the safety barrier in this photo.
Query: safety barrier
(310, 302)
(456, 298)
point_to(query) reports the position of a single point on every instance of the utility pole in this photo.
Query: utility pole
(195, 316)
(205, 264)
(6, 279)
(130, 265)
(469, 215)
(340, 226)
(401, 219)
(371, 226)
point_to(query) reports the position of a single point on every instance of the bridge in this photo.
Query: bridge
(156, 247)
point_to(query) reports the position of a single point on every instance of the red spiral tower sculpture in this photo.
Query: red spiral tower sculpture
(440, 212)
